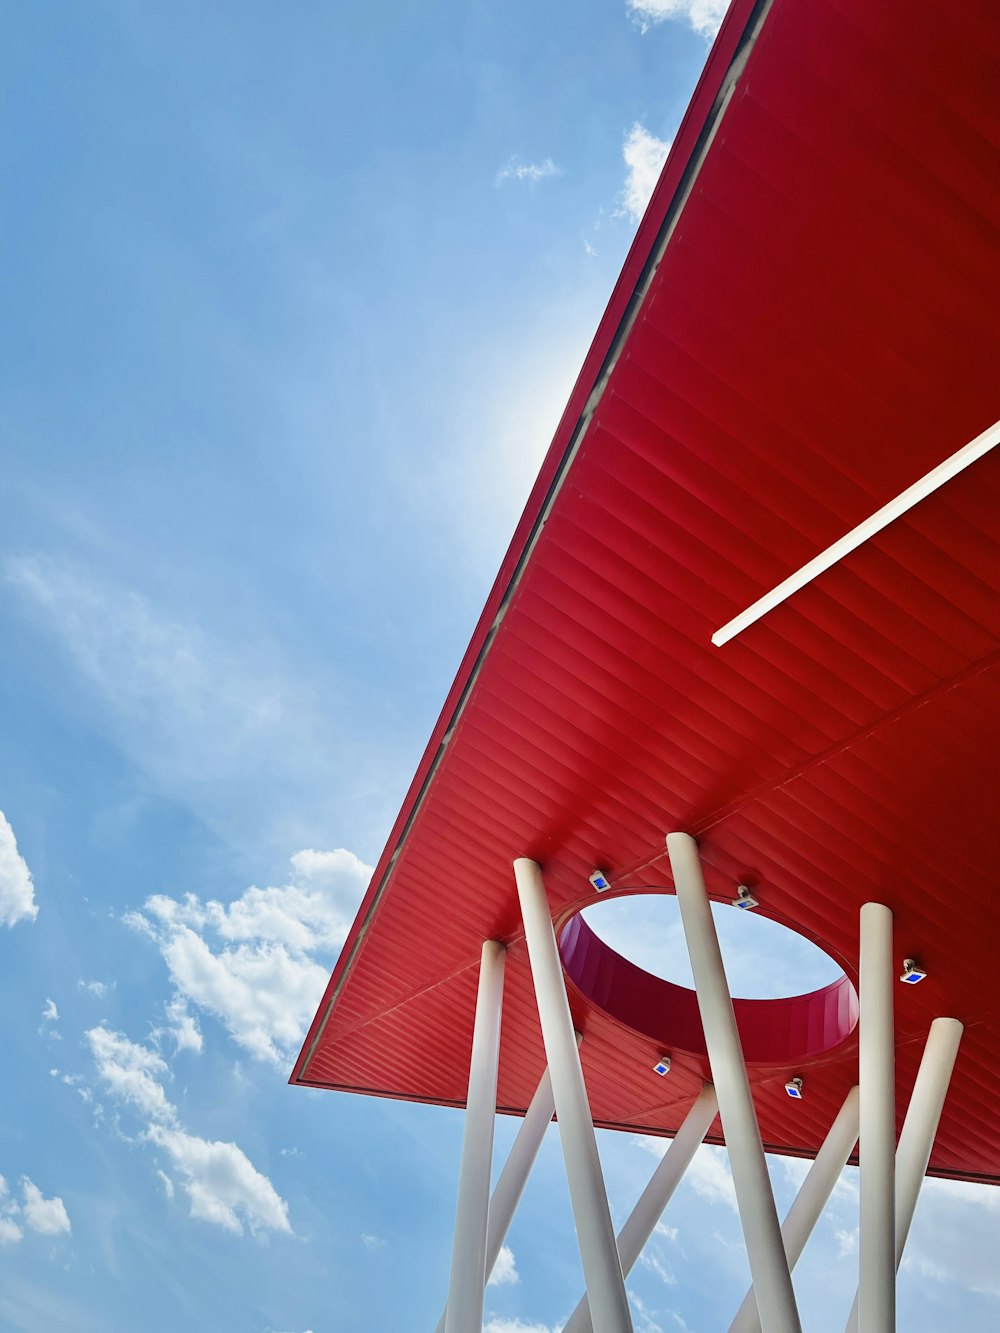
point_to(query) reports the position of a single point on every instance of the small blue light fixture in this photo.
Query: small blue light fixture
(744, 899)
(912, 972)
(662, 1066)
(794, 1088)
(600, 880)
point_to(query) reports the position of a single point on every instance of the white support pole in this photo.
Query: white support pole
(762, 1234)
(655, 1197)
(923, 1114)
(509, 1188)
(917, 1136)
(602, 1270)
(810, 1200)
(877, 1067)
(466, 1291)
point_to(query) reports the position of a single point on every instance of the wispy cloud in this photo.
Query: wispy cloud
(847, 1241)
(652, 1261)
(645, 1320)
(253, 963)
(222, 1184)
(954, 1238)
(532, 172)
(644, 156)
(17, 892)
(497, 1324)
(227, 729)
(708, 1174)
(704, 16)
(98, 989)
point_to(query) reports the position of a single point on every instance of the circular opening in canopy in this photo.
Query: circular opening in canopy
(764, 960)
(628, 956)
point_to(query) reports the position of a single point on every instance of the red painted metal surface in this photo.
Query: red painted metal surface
(817, 332)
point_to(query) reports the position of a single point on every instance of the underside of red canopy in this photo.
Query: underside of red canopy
(805, 326)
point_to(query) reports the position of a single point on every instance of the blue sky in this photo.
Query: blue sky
(293, 298)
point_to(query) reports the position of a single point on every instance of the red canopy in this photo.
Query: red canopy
(806, 325)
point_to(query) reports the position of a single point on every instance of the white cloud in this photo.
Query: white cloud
(847, 1242)
(497, 1324)
(644, 156)
(166, 1182)
(505, 1272)
(183, 1026)
(264, 994)
(516, 170)
(98, 989)
(17, 892)
(46, 1216)
(131, 1072)
(708, 1174)
(76, 1081)
(704, 16)
(371, 1242)
(986, 1197)
(797, 1168)
(50, 1014)
(251, 963)
(222, 1184)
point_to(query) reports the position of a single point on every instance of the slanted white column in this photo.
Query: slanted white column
(513, 1177)
(919, 1130)
(467, 1289)
(810, 1200)
(761, 1232)
(877, 1067)
(602, 1270)
(655, 1197)
(923, 1114)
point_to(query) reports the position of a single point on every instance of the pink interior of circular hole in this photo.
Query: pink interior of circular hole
(773, 1032)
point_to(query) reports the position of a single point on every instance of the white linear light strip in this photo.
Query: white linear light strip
(927, 484)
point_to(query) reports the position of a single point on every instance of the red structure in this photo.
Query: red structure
(805, 327)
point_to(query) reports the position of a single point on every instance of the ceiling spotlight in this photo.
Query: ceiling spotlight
(794, 1088)
(600, 880)
(745, 899)
(662, 1066)
(912, 972)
